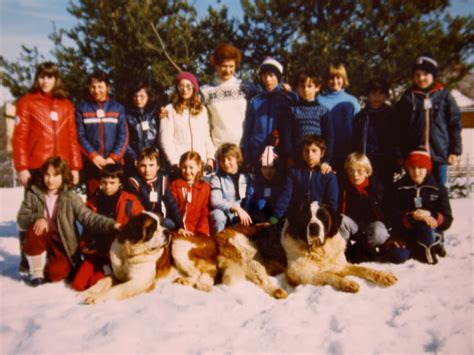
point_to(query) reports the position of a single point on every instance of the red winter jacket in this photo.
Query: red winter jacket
(193, 204)
(45, 126)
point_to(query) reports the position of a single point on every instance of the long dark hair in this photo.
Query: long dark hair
(61, 167)
(49, 69)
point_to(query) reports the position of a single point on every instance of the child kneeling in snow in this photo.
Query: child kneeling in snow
(48, 213)
(421, 213)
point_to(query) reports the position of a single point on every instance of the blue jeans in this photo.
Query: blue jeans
(440, 173)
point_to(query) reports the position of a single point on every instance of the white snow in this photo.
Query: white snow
(430, 310)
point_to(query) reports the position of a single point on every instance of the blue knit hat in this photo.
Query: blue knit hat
(426, 62)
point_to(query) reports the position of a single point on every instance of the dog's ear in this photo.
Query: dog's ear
(298, 218)
(149, 228)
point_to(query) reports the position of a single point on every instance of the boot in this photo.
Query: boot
(36, 266)
(439, 248)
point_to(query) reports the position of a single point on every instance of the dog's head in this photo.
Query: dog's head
(145, 228)
(313, 222)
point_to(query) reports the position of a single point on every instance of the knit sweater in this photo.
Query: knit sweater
(342, 109)
(184, 132)
(227, 104)
(305, 118)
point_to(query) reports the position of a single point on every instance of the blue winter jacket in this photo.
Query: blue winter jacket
(264, 114)
(107, 135)
(444, 123)
(305, 185)
(342, 109)
(305, 118)
(140, 137)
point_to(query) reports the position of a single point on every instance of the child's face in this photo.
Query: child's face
(148, 168)
(185, 89)
(422, 79)
(110, 185)
(357, 174)
(226, 69)
(308, 90)
(269, 80)
(312, 155)
(140, 98)
(376, 99)
(46, 83)
(98, 90)
(53, 180)
(189, 170)
(268, 172)
(336, 83)
(417, 174)
(229, 164)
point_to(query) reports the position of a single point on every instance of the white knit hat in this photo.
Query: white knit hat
(272, 65)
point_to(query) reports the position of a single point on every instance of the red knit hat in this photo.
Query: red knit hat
(419, 158)
(188, 76)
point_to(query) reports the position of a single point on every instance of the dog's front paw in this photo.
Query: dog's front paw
(350, 286)
(185, 281)
(280, 294)
(93, 298)
(386, 279)
(205, 282)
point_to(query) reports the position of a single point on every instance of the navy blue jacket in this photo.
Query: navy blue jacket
(305, 118)
(305, 185)
(434, 198)
(264, 114)
(106, 136)
(445, 123)
(263, 195)
(137, 186)
(371, 132)
(140, 138)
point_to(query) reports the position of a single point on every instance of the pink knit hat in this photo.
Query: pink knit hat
(188, 76)
(269, 157)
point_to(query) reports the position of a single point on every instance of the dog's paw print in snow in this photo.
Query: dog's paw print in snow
(335, 348)
(435, 344)
(398, 312)
(335, 326)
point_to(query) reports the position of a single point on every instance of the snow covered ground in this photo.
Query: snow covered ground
(430, 310)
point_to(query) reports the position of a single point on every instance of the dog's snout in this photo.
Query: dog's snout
(314, 228)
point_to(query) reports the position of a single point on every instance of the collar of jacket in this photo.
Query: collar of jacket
(436, 87)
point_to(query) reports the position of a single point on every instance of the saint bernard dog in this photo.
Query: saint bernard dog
(253, 253)
(315, 251)
(139, 255)
(195, 258)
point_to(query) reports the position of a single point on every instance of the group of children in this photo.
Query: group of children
(295, 147)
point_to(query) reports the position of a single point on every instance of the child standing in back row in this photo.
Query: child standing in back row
(265, 112)
(428, 116)
(185, 124)
(373, 133)
(342, 109)
(307, 116)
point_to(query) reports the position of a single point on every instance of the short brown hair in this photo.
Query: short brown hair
(192, 155)
(229, 149)
(307, 75)
(149, 153)
(61, 167)
(338, 69)
(318, 141)
(49, 69)
(114, 171)
(226, 51)
(358, 159)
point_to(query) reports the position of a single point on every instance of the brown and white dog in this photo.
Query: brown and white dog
(196, 259)
(138, 256)
(315, 251)
(253, 253)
